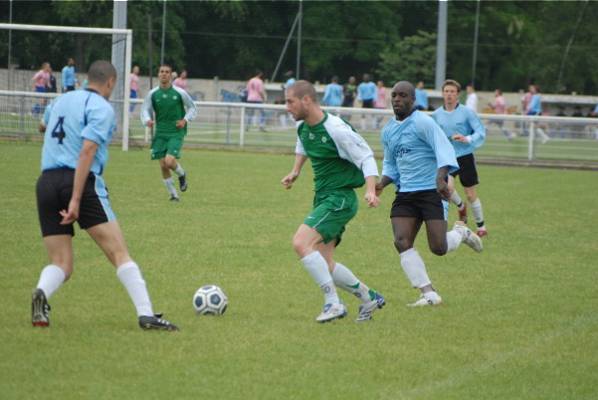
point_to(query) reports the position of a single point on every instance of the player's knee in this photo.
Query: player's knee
(438, 249)
(402, 244)
(301, 246)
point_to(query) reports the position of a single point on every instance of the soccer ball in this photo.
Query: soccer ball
(210, 300)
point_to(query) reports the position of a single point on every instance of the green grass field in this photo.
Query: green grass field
(520, 320)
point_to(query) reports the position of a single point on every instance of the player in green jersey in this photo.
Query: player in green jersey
(341, 161)
(173, 109)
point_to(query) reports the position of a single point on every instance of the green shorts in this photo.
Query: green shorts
(332, 211)
(162, 145)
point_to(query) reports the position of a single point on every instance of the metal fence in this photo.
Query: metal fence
(510, 138)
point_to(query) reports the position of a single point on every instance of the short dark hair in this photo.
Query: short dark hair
(452, 82)
(303, 88)
(167, 65)
(100, 72)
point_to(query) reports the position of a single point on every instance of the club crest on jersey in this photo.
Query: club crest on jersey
(174, 97)
(311, 136)
(164, 96)
(324, 139)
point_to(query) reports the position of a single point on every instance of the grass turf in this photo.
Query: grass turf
(519, 321)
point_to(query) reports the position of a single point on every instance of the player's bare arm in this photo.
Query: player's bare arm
(371, 196)
(181, 123)
(288, 180)
(441, 183)
(385, 181)
(457, 137)
(150, 123)
(86, 157)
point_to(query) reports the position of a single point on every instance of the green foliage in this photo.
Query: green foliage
(519, 319)
(409, 59)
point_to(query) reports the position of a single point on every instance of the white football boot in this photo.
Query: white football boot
(427, 299)
(469, 237)
(332, 312)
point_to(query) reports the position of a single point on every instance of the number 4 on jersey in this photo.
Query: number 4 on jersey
(58, 131)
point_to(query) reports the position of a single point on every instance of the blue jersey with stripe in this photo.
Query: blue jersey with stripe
(464, 121)
(414, 150)
(70, 119)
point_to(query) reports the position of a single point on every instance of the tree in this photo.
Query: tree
(410, 59)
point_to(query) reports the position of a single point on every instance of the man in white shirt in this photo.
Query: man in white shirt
(472, 98)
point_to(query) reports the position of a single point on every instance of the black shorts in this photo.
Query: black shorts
(424, 205)
(54, 189)
(468, 174)
(368, 103)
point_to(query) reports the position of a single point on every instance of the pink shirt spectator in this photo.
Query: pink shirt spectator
(527, 98)
(41, 78)
(255, 88)
(134, 82)
(500, 105)
(180, 83)
(380, 98)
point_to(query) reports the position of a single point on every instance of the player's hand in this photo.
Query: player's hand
(41, 128)
(379, 189)
(457, 137)
(288, 180)
(372, 199)
(150, 123)
(181, 123)
(443, 189)
(72, 214)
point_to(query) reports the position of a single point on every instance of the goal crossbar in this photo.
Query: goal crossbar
(100, 31)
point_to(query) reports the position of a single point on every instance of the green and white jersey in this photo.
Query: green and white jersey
(339, 156)
(169, 106)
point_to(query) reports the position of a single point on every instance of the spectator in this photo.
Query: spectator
(499, 105)
(256, 94)
(52, 87)
(381, 102)
(349, 91)
(181, 81)
(535, 108)
(134, 86)
(472, 98)
(421, 97)
(366, 92)
(69, 79)
(41, 84)
(333, 95)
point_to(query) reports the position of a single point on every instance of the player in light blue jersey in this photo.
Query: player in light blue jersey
(333, 95)
(418, 159)
(466, 132)
(71, 188)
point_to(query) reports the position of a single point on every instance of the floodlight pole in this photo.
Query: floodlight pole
(441, 44)
(475, 43)
(300, 17)
(9, 47)
(163, 32)
(284, 49)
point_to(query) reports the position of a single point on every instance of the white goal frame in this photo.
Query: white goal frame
(101, 31)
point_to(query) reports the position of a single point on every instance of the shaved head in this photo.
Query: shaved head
(302, 88)
(100, 72)
(405, 86)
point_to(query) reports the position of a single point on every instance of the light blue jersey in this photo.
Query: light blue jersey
(367, 91)
(535, 105)
(72, 118)
(421, 98)
(414, 150)
(333, 95)
(464, 121)
(68, 76)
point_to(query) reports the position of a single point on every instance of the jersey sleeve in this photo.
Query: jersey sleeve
(352, 147)
(389, 165)
(299, 149)
(433, 134)
(191, 109)
(478, 136)
(100, 122)
(147, 109)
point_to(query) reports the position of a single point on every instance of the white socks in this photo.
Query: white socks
(478, 214)
(456, 199)
(317, 267)
(346, 280)
(130, 276)
(170, 187)
(179, 170)
(453, 240)
(414, 268)
(50, 279)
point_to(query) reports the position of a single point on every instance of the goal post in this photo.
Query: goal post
(123, 102)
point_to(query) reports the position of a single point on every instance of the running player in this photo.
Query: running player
(71, 188)
(417, 159)
(341, 159)
(466, 132)
(168, 102)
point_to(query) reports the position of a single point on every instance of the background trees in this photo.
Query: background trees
(550, 43)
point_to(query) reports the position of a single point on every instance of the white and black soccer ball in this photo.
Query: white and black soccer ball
(210, 300)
